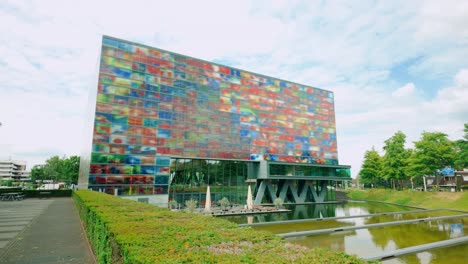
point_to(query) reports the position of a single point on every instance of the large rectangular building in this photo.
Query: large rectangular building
(13, 170)
(165, 126)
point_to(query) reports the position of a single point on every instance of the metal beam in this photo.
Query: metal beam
(419, 248)
(265, 185)
(347, 228)
(309, 178)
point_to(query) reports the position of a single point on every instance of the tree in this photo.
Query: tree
(53, 168)
(414, 170)
(37, 173)
(395, 158)
(58, 169)
(371, 171)
(71, 168)
(461, 159)
(431, 153)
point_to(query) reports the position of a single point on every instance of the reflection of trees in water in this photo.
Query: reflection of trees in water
(303, 211)
(279, 217)
(409, 235)
(374, 207)
(313, 211)
(393, 217)
(454, 254)
(406, 216)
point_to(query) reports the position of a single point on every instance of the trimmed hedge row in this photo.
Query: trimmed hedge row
(50, 193)
(125, 231)
(37, 193)
(7, 190)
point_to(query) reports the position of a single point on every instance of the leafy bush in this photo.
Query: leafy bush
(125, 231)
(278, 202)
(224, 203)
(172, 204)
(191, 205)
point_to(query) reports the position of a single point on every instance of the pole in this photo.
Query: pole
(424, 181)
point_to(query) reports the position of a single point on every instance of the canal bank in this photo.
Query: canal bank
(428, 200)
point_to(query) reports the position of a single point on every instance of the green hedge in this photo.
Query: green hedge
(52, 193)
(37, 193)
(7, 190)
(125, 231)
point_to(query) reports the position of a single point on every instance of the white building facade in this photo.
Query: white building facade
(13, 170)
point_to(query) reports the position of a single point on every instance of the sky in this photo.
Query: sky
(392, 65)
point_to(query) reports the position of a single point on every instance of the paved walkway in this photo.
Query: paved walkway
(42, 231)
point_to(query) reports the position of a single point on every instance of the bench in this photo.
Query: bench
(17, 196)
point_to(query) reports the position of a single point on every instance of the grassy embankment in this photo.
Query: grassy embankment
(124, 231)
(428, 200)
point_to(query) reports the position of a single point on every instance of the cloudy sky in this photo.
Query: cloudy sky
(393, 65)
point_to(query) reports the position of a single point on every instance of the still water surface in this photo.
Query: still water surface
(455, 254)
(374, 241)
(310, 211)
(370, 241)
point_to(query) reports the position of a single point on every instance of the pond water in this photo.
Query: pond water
(356, 221)
(374, 241)
(369, 242)
(454, 254)
(311, 211)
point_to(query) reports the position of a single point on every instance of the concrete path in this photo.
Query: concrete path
(42, 231)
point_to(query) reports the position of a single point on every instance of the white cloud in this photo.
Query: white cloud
(376, 121)
(452, 100)
(49, 58)
(404, 91)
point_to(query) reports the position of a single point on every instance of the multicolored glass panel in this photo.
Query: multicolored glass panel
(154, 104)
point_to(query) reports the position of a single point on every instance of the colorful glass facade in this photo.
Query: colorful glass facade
(153, 105)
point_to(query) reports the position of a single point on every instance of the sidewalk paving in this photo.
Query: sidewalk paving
(42, 231)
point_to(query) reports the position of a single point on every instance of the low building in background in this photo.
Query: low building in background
(164, 126)
(448, 180)
(461, 180)
(13, 170)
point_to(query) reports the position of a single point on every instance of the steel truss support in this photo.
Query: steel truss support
(302, 191)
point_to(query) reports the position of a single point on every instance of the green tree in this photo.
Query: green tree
(37, 173)
(395, 159)
(58, 169)
(70, 169)
(413, 169)
(53, 168)
(461, 159)
(371, 171)
(431, 153)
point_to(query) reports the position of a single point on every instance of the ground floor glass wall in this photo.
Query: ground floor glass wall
(189, 179)
(307, 170)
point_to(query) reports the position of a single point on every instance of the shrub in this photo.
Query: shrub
(191, 205)
(224, 203)
(278, 203)
(172, 204)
